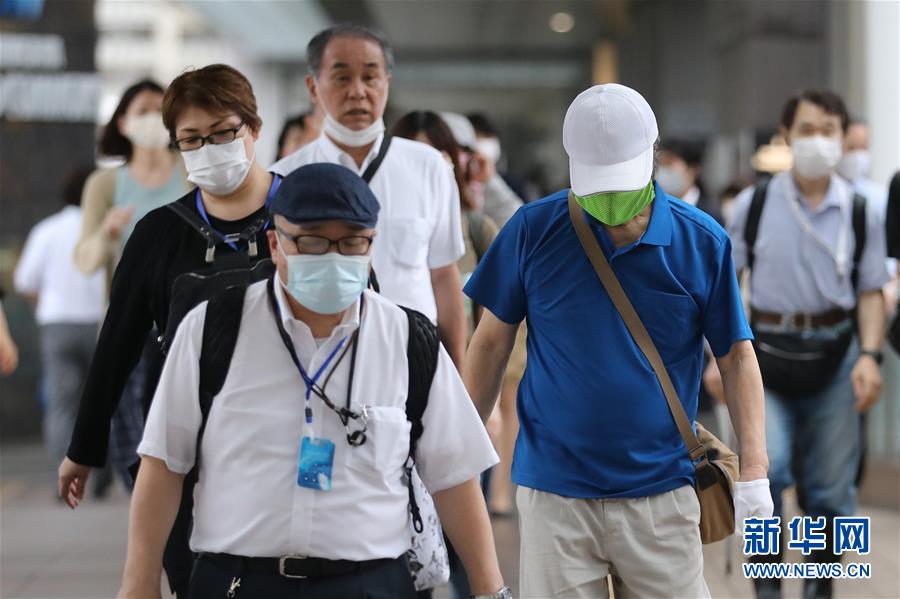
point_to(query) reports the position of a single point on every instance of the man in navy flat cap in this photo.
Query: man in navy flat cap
(301, 451)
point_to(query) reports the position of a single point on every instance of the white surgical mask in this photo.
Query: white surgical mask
(672, 181)
(346, 136)
(816, 156)
(327, 283)
(147, 131)
(489, 147)
(854, 164)
(218, 168)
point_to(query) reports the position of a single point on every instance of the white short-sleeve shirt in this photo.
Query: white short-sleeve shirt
(247, 500)
(419, 227)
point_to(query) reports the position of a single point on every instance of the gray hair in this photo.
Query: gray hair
(316, 47)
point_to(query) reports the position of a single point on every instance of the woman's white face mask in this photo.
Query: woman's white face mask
(218, 168)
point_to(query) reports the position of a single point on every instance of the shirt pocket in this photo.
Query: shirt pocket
(672, 321)
(387, 442)
(409, 240)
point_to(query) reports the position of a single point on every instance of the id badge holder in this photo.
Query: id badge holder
(316, 461)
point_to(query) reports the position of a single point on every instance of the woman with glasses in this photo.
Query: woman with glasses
(211, 117)
(112, 202)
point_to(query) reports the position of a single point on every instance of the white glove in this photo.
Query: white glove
(752, 500)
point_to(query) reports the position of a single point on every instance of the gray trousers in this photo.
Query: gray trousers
(66, 352)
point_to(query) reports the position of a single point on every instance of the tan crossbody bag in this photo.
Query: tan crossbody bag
(716, 466)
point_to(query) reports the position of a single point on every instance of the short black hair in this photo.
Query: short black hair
(483, 124)
(691, 151)
(112, 141)
(316, 47)
(825, 99)
(73, 184)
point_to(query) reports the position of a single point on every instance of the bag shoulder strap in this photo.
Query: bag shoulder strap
(859, 232)
(422, 355)
(220, 332)
(751, 228)
(375, 164)
(635, 327)
(422, 351)
(196, 223)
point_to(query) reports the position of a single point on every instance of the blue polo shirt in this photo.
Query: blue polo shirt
(594, 419)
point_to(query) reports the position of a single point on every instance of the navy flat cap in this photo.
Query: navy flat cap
(324, 191)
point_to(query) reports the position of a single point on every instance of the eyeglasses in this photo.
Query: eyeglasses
(186, 144)
(354, 245)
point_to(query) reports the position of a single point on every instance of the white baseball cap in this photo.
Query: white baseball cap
(461, 128)
(609, 133)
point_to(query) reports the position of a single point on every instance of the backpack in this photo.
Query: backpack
(751, 228)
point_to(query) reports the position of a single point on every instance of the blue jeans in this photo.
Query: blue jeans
(822, 433)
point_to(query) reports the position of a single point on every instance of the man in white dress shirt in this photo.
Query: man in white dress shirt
(68, 308)
(288, 502)
(421, 237)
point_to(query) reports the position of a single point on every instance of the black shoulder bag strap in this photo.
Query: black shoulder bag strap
(859, 232)
(751, 228)
(369, 174)
(422, 352)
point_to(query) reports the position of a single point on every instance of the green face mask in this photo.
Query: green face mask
(616, 207)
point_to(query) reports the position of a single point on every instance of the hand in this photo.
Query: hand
(9, 353)
(866, 377)
(712, 381)
(752, 499)
(116, 220)
(72, 480)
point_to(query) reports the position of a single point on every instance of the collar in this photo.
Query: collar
(837, 194)
(659, 231)
(348, 324)
(336, 155)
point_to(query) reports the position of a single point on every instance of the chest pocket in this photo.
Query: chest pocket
(672, 321)
(387, 442)
(409, 240)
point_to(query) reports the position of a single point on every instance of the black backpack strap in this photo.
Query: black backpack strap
(859, 233)
(422, 352)
(198, 224)
(382, 152)
(751, 228)
(220, 333)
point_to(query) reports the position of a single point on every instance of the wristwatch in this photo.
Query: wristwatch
(874, 354)
(504, 593)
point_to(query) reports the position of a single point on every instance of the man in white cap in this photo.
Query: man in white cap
(605, 480)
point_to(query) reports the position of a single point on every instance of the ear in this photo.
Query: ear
(311, 86)
(120, 124)
(785, 134)
(273, 244)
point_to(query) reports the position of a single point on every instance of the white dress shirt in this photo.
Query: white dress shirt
(47, 269)
(419, 226)
(247, 501)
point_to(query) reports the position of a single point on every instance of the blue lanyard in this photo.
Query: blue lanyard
(311, 382)
(276, 181)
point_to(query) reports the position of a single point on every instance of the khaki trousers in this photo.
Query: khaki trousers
(649, 545)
